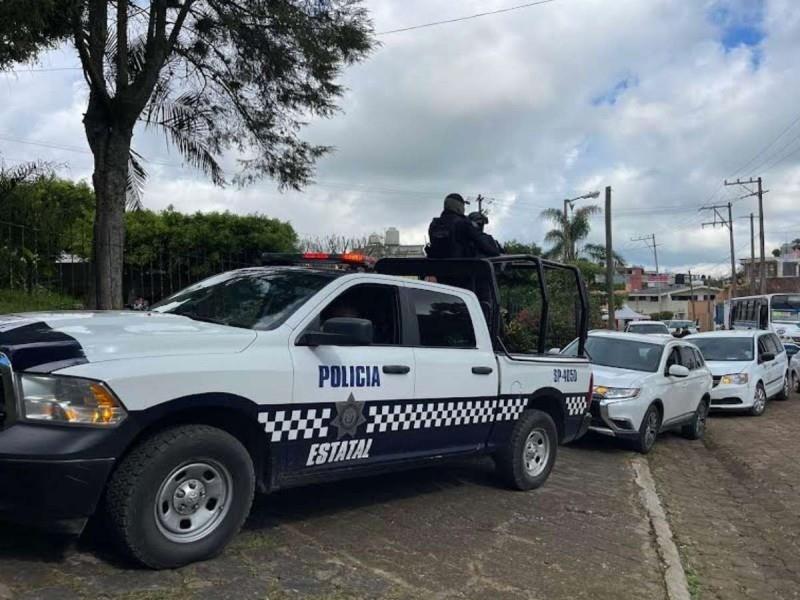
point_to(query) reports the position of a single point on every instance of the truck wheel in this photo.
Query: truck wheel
(648, 430)
(795, 382)
(526, 461)
(180, 496)
(697, 428)
(760, 401)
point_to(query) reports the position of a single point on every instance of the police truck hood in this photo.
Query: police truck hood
(55, 340)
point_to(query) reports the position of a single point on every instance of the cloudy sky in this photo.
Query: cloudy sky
(660, 99)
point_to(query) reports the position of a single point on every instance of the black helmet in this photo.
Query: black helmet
(455, 203)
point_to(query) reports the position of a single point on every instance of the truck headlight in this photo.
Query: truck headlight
(612, 393)
(58, 399)
(734, 379)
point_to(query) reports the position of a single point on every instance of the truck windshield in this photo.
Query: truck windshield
(786, 309)
(619, 353)
(725, 348)
(254, 299)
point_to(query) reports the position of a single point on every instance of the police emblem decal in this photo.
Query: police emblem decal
(349, 417)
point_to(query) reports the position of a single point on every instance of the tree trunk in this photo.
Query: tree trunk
(110, 145)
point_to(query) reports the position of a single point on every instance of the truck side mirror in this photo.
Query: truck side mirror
(554, 351)
(766, 357)
(340, 331)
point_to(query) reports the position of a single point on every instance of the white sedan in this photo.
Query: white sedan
(646, 384)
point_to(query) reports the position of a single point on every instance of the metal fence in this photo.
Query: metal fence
(60, 261)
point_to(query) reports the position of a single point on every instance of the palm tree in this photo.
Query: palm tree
(568, 232)
(597, 253)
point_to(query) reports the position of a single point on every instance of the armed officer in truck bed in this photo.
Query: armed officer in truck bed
(454, 235)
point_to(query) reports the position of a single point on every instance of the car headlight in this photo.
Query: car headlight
(734, 379)
(59, 399)
(612, 393)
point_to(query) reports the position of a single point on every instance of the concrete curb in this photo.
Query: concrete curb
(674, 575)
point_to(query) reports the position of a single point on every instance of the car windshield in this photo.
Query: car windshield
(253, 299)
(647, 328)
(725, 348)
(786, 309)
(681, 324)
(619, 353)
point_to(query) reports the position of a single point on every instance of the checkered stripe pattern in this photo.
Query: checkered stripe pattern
(402, 417)
(296, 424)
(576, 405)
(510, 408)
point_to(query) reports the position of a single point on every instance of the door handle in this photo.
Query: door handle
(482, 370)
(396, 369)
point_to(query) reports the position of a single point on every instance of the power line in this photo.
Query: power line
(465, 18)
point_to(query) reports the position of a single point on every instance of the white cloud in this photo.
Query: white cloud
(503, 106)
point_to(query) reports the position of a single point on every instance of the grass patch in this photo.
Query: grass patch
(12, 301)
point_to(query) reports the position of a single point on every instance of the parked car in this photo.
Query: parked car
(749, 367)
(645, 384)
(791, 349)
(166, 422)
(647, 328)
(676, 326)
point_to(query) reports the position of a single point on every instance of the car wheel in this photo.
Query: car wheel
(180, 496)
(795, 382)
(760, 401)
(786, 390)
(526, 461)
(648, 430)
(697, 428)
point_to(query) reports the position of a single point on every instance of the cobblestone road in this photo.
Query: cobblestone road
(454, 532)
(733, 503)
(445, 532)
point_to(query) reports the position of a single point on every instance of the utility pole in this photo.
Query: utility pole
(691, 297)
(759, 192)
(612, 321)
(752, 254)
(719, 219)
(650, 242)
(480, 204)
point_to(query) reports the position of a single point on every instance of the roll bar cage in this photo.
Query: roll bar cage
(475, 273)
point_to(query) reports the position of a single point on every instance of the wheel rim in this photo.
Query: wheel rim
(193, 500)
(651, 428)
(761, 400)
(536, 452)
(787, 387)
(796, 382)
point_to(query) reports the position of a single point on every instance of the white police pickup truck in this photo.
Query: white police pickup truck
(165, 423)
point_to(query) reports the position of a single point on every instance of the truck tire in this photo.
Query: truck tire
(180, 496)
(526, 461)
(697, 428)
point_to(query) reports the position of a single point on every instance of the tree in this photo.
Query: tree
(212, 75)
(597, 253)
(776, 252)
(517, 247)
(568, 232)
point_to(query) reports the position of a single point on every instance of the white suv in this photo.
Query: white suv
(749, 368)
(645, 384)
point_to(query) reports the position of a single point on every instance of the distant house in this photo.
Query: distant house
(672, 298)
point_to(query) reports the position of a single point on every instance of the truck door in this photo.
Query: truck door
(337, 388)
(456, 379)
